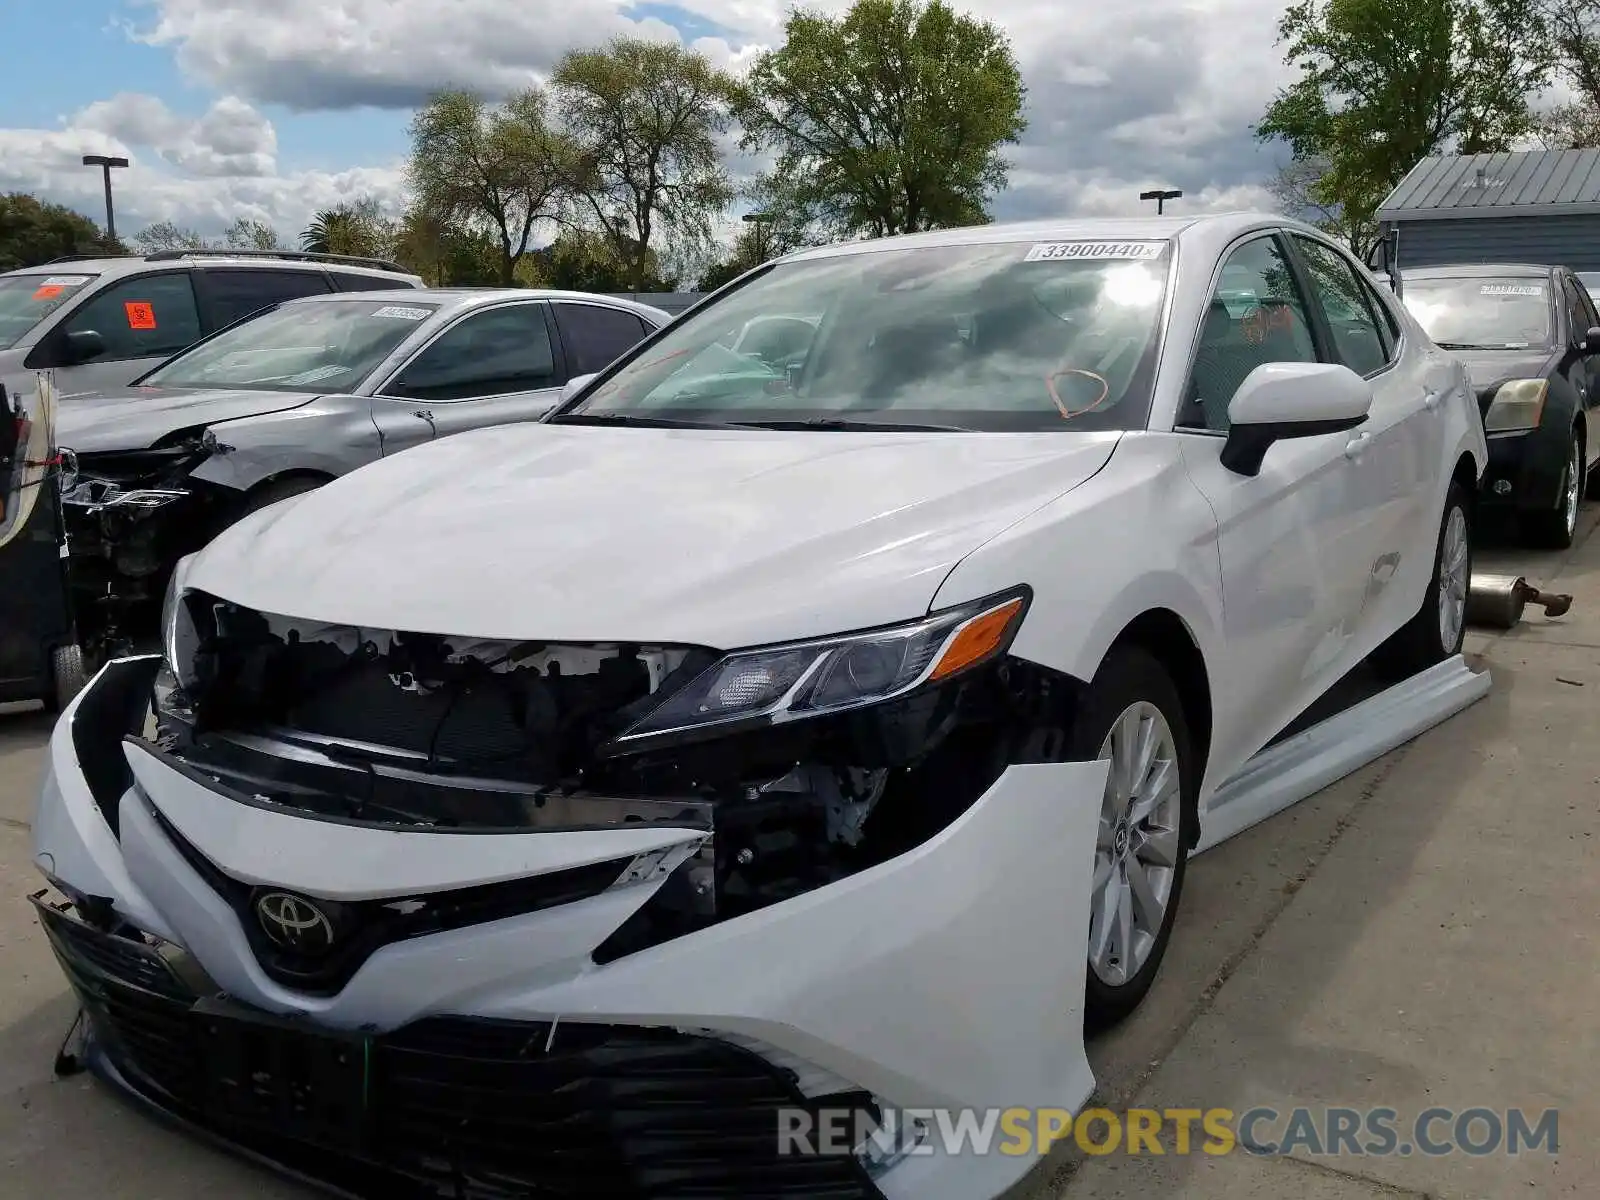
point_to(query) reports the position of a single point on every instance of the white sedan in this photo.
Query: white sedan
(571, 804)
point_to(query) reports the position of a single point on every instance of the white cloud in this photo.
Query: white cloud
(205, 172)
(1121, 97)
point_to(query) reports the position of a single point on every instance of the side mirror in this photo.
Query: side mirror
(1383, 258)
(575, 385)
(1591, 341)
(1278, 401)
(81, 345)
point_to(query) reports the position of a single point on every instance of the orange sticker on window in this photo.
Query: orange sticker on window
(48, 292)
(141, 314)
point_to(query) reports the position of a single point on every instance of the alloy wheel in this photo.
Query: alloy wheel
(1574, 484)
(1136, 850)
(1454, 577)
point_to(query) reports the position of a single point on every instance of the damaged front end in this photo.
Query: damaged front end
(130, 515)
(830, 757)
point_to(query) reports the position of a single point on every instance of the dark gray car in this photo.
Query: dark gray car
(299, 395)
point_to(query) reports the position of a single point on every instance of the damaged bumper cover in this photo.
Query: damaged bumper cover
(452, 1013)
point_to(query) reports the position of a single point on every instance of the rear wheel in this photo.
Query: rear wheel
(1554, 528)
(1439, 627)
(1133, 719)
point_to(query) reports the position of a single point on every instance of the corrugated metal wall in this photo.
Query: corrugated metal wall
(1557, 241)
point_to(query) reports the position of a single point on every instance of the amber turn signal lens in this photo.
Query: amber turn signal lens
(977, 639)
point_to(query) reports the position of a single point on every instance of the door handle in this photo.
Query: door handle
(1357, 445)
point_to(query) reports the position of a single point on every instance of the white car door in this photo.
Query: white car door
(492, 366)
(1296, 541)
(1406, 435)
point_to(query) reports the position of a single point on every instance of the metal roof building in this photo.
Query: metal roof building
(1539, 206)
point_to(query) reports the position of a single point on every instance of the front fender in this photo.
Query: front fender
(327, 441)
(1136, 538)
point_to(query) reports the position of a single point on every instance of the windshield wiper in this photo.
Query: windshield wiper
(622, 418)
(851, 423)
(1482, 345)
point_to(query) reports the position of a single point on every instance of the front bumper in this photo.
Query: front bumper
(500, 1053)
(1525, 470)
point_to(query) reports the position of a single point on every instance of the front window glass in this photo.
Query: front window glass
(1485, 312)
(25, 300)
(1011, 336)
(320, 345)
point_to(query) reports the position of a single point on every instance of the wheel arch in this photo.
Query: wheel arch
(1167, 637)
(282, 478)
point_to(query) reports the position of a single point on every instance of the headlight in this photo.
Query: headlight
(179, 637)
(830, 675)
(1517, 405)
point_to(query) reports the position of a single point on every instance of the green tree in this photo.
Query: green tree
(245, 234)
(1574, 28)
(756, 243)
(1296, 190)
(1383, 83)
(358, 228)
(168, 235)
(889, 119)
(499, 170)
(33, 232)
(648, 118)
(445, 255)
(581, 260)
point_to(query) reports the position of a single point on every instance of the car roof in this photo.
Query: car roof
(114, 266)
(1213, 228)
(1474, 270)
(463, 298)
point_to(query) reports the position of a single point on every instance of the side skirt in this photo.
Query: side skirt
(1287, 772)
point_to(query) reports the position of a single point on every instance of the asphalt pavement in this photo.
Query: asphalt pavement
(1421, 934)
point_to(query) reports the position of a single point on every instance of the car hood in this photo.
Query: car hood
(702, 537)
(139, 417)
(1489, 368)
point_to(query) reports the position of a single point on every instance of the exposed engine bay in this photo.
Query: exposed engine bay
(419, 730)
(130, 515)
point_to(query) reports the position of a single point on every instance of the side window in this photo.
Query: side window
(232, 294)
(350, 281)
(1587, 303)
(1577, 316)
(1357, 336)
(1256, 316)
(147, 316)
(595, 336)
(490, 353)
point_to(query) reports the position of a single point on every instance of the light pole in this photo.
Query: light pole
(759, 220)
(105, 163)
(1160, 197)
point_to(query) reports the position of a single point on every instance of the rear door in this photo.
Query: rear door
(229, 293)
(593, 336)
(488, 367)
(1584, 369)
(144, 319)
(1406, 434)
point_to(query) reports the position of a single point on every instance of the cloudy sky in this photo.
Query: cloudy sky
(272, 109)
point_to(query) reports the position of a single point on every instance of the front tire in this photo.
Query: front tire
(1554, 529)
(1439, 627)
(68, 676)
(1132, 716)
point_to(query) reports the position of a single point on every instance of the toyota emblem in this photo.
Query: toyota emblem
(294, 923)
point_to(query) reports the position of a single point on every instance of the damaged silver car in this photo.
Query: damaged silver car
(289, 399)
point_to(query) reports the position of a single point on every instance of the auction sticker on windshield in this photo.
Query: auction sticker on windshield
(1511, 289)
(1045, 251)
(402, 313)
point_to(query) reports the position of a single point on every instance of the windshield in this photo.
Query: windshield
(1483, 313)
(25, 300)
(1012, 336)
(326, 345)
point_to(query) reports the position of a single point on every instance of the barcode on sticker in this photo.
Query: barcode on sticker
(399, 312)
(1045, 251)
(1512, 289)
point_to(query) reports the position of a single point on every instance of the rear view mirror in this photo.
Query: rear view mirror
(81, 345)
(1285, 400)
